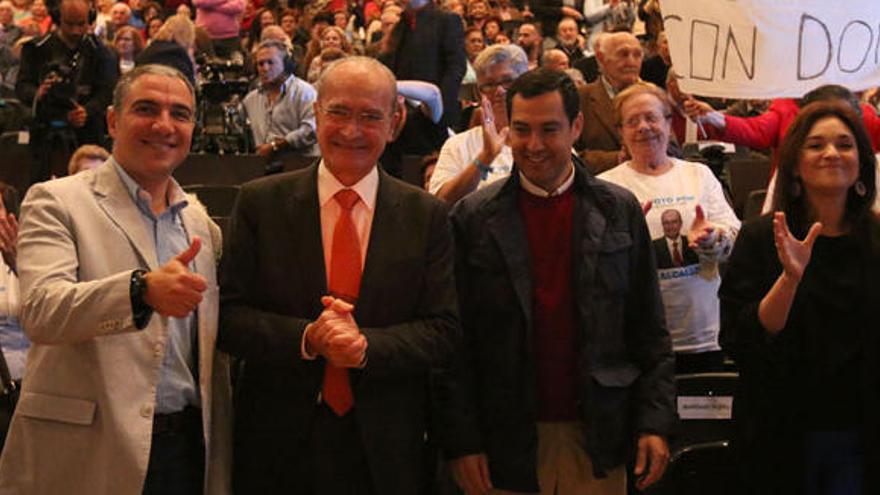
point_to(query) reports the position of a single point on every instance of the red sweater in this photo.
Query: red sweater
(549, 225)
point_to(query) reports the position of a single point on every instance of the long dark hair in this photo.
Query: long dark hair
(788, 195)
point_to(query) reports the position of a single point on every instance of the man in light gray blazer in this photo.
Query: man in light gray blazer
(124, 392)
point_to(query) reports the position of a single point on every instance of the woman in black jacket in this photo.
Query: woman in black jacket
(799, 316)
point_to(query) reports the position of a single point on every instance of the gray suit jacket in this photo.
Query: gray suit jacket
(84, 420)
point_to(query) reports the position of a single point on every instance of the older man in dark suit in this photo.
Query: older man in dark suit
(672, 250)
(338, 293)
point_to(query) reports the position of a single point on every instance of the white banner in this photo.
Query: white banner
(772, 48)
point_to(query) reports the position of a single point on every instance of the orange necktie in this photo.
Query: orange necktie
(344, 283)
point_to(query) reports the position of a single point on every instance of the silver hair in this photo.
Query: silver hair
(367, 63)
(123, 87)
(497, 54)
(600, 44)
(273, 43)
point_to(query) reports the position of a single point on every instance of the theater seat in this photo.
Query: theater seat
(218, 199)
(700, 469)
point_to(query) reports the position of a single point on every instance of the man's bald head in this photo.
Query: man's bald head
(356, 66)
(555, 59)
(74, 21)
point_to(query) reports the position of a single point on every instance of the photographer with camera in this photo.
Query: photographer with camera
(68, 77)
(280, 109)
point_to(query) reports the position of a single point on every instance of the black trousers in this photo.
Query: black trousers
(177, 455)
(339, 465)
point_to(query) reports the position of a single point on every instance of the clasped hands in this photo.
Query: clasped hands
(336, 336)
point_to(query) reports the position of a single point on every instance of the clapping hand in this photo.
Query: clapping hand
(793, 254)
(493, 138)
(702, 234)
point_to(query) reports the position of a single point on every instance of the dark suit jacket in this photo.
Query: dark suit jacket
(664, 257)
(434, 52)
(549, 13)
(600, 142)
(272, 279)
(589, 67)
(626, 375)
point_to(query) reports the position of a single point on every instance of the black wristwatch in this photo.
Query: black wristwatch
(137, 291)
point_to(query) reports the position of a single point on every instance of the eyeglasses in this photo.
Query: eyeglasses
(342, 115)
(490, 87)
(650, 118)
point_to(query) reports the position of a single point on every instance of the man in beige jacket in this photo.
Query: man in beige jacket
(124, 392)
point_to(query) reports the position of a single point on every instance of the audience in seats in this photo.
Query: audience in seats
(474, 43)
(331, 37)
(480, 155)
(128, 43)
(477, 13)
(692, 225)
(9, 32)
(86, 157)
(174, 45)
(798, 305)
(120, 15)
(491, 29)
(569, 41)
(555, 59)
(529, 39)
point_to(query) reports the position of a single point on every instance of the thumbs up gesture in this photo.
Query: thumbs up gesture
(173, 290)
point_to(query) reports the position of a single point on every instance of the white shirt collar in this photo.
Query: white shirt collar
(329, 185)
(533, 189)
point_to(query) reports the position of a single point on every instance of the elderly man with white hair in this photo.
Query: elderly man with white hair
(480, 156)
(620, 61)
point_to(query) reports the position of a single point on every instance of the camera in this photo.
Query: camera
(60, 99)
(221, 126)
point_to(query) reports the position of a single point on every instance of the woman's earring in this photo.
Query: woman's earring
(860, 188)
(795, 189)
